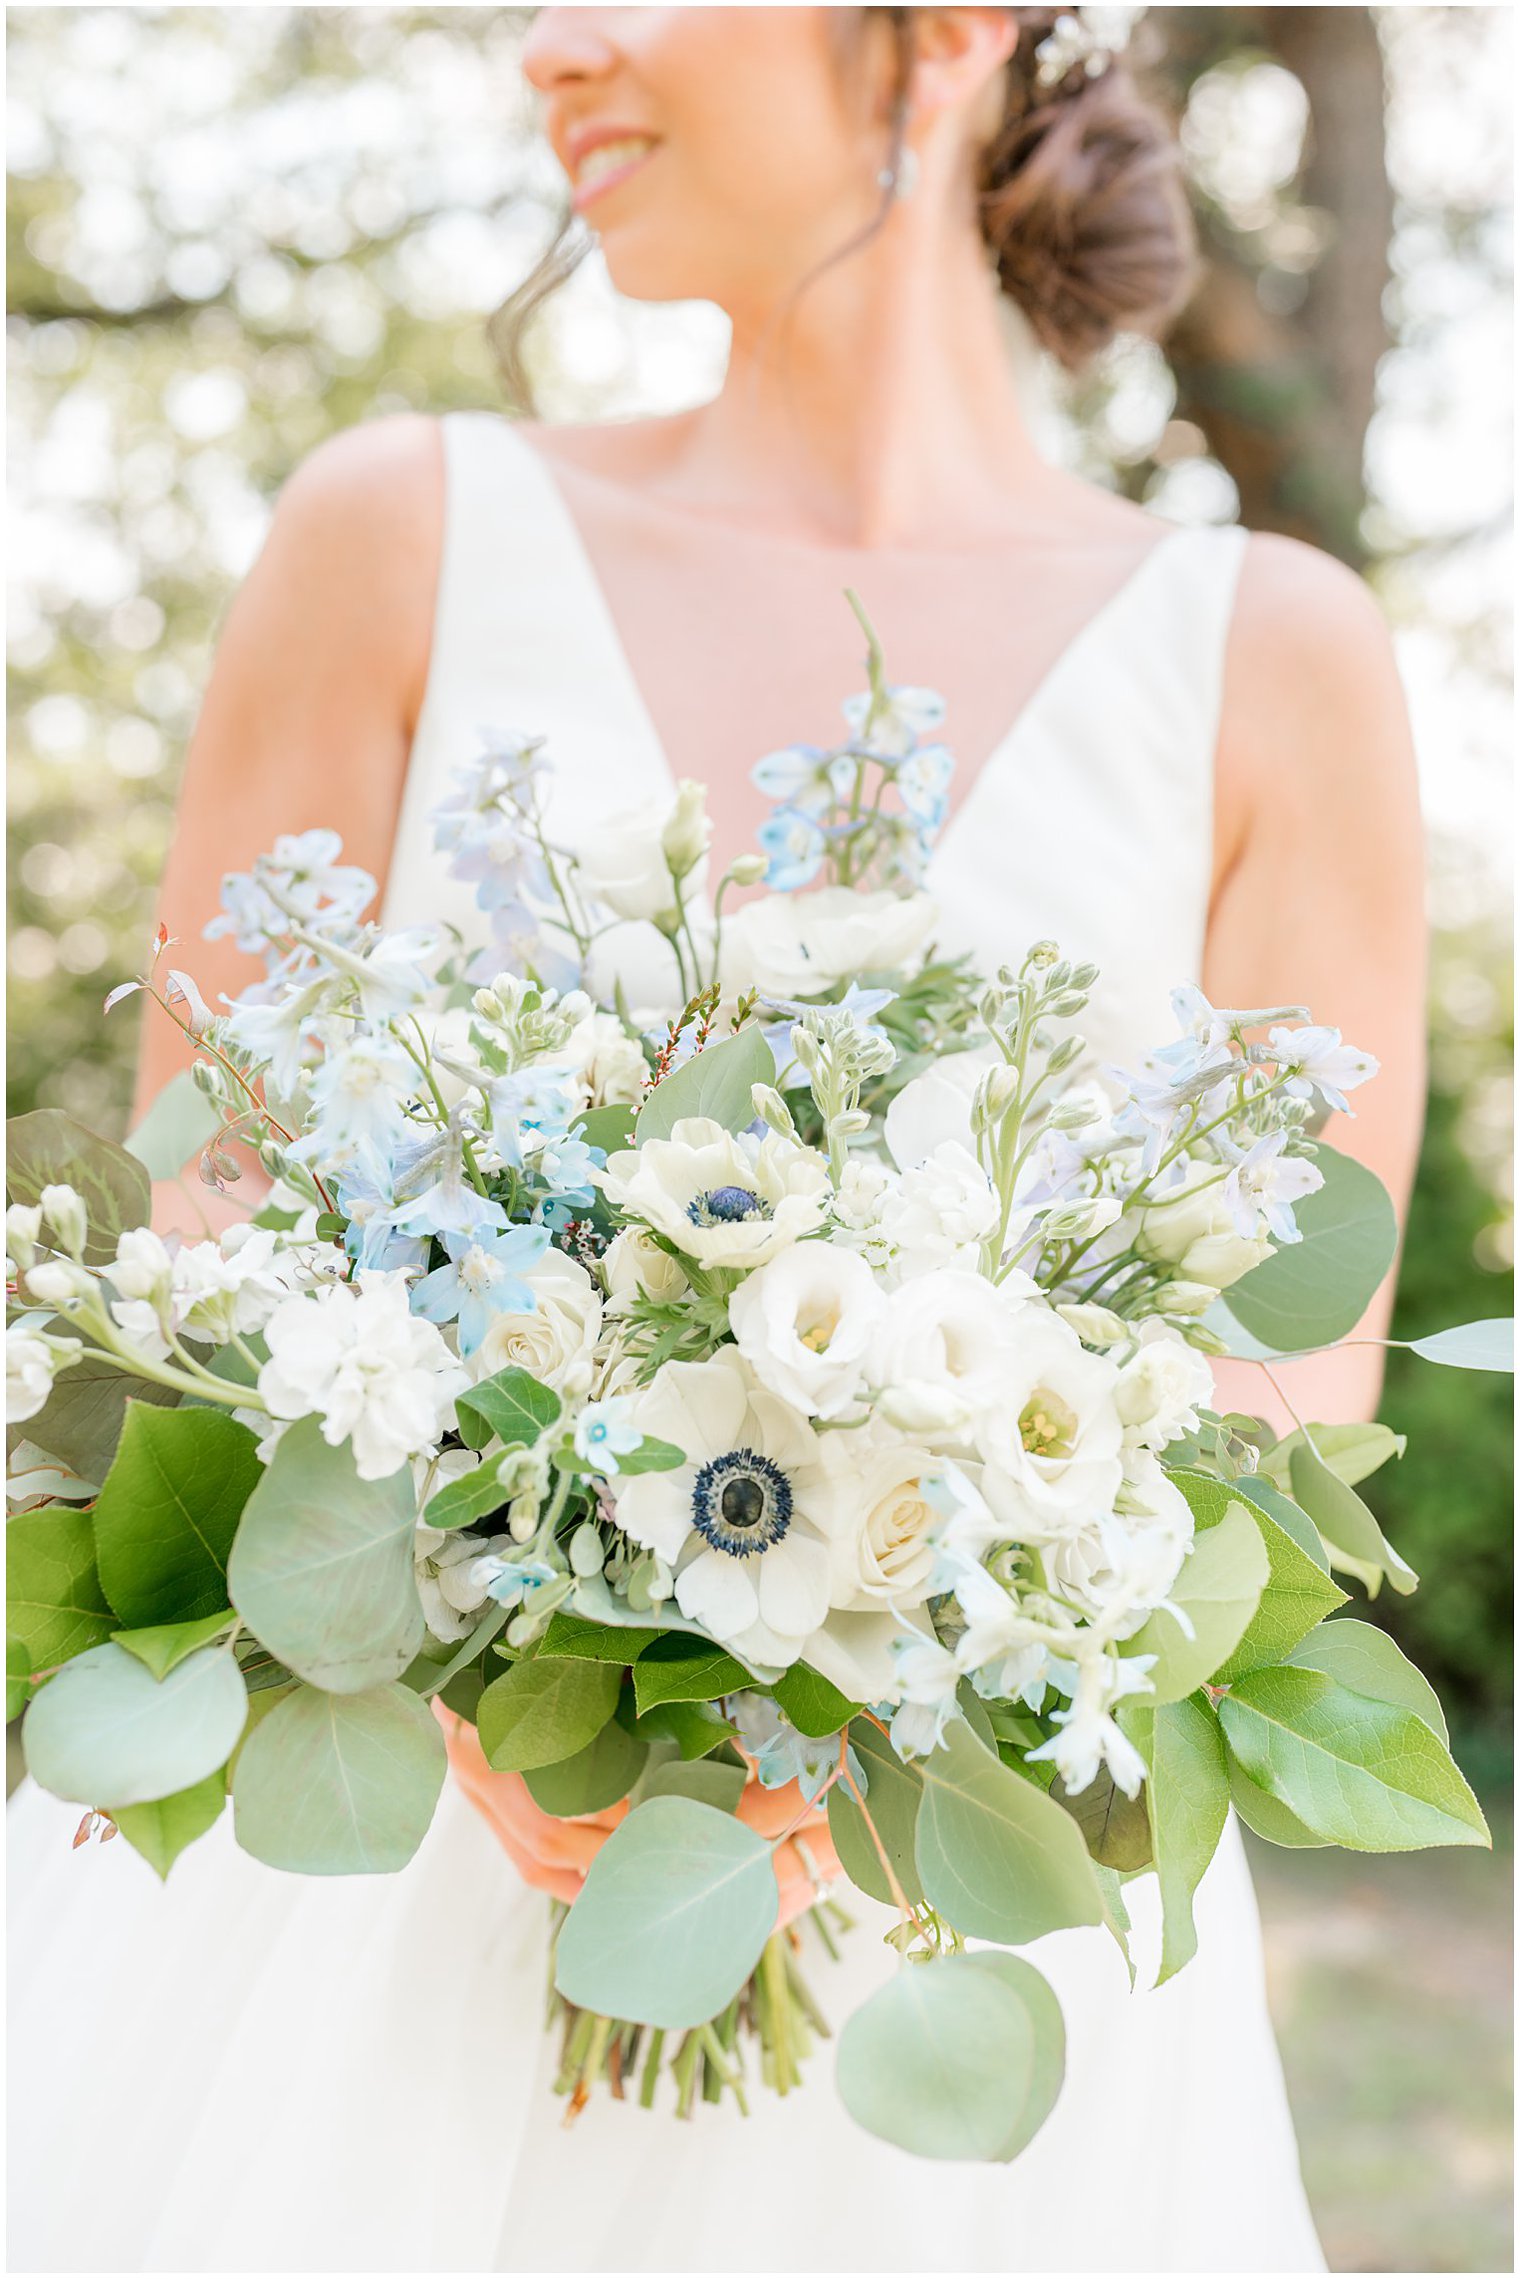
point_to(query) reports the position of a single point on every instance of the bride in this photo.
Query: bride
(1183, 754)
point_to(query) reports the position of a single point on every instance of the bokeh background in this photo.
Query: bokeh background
(235, 230)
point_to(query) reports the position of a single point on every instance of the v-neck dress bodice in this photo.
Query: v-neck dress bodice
(244, 2071)
(1090, 824)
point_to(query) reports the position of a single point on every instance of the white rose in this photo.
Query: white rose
(803, 945)
(1191, 1227)
(871, 1499)
(723, 1200)
(947, 1338)
(622, 863)
(803, 1323)
(1161, 1388)
(634, 1266)
(556, 1343)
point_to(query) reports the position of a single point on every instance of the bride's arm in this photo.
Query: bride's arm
(308, 717)
(1319, 894)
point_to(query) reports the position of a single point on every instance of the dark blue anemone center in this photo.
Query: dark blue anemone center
(727, 1207)
(741, 1503)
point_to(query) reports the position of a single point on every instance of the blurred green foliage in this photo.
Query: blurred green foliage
(233, 231)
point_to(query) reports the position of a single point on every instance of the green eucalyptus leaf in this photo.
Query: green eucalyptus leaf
(339, 1783)
(162, 1830)
(1315, 1291)
(18, 1678)
(1114, 1826)
(1365, 1660)
(1353, 1453)
(166, 1643)
(651, 1455)
(1188, 1796)
(178, 1125)
(695, 1728)
(47, 1149)
(1353, 1537)
(680, 1668)
(106, 1729)
(595, 1777)
(717, 1082)
(1472, 1345)
(1298, 1594)
(1360, 1773)
(571, 1637)
(168, 1510)
(458, 1503)
(996, 1857)
(811, 1704)
(607, 1128)
(720, 1786)
(894, 1792)
(676, 1910)
(956, 2059)
(54, 1603)
(512, 1407)
(1219, 1589)
(539, 1712)
(82, 1422)
(322, 1567)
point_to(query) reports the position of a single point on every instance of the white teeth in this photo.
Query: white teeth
(609, 156)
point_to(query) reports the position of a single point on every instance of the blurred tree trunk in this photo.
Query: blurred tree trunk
(1284, 392)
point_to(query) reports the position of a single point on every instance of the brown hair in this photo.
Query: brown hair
(1079, 201)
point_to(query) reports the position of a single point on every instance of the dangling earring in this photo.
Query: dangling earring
(899, 177)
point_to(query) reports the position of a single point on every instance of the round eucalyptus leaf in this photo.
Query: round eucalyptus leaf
(678, 1905)
(996, 1856)
(339, 1783)
(1315, 1290)
(106, 1731)
(959, 2059)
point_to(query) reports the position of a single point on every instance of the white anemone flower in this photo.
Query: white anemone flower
(735, 1523)
(722, 1199)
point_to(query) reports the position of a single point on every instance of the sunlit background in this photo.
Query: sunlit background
(233, 231)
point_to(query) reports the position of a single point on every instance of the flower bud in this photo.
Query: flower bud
(772, 1109)
(1042, 955)
(1074, 1222)
(64, 1212)
(687, 830)
(1186, 1298)
(923, 1408)
(1095, 1325)
(23, 1227)
(748, 870)
(58, 1282)
(586, 1551)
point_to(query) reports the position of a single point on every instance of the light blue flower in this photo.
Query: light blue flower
(908, 714)
(795, 847)
(795, 777)
(603, 1433)
(779, 1752)
(357, 1094)
(923, 782)
(534, 1100)
(451, 1203)
(514, 1582)
(365, 1181)
(484, 1278)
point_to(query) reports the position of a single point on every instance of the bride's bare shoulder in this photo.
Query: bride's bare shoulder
(381, 481)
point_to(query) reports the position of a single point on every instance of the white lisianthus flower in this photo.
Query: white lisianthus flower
(609, 1063)
(32, 1361)
(1050, 1426)
(940, 1212)
(378, 1376)
(1162, 1387)
(1191, 1226)
(634, 1265)
(882, 1508)
(556, 1342)
(723, 1200)
(803, 1323)
(934, 1110)
(622, 863)
(734, 1523)
(804, 945)
(944, 1345)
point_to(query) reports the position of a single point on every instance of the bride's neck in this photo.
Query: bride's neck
(874, 407)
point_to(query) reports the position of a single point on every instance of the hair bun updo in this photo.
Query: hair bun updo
(1080, 201)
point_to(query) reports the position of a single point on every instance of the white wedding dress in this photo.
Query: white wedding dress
(246, 2071)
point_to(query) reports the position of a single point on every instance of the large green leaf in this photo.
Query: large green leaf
(18, 1677)
(1314, 1291)
(1115, 1827)
(695, 1726)
(894, 1792)
(459, 1503)
(1188, 1797)
(721, 1786)
(1360, 1773)
(717, 1083)
(54, 1602)
(1295, 1524)
(570, 1636)
(593, 1778)
(48, 1149)
(339, 1784)
(959, 2059)
(540, 1712)
(167, 1643)
(1471, 1345)
(1266, 1816)
(82, 1422)
(1352, 1451)
(1298, 1594)
(168, 1511)
(180, 1122)
(680, 1668)
(167, 1827)
(106, 1731)
(677, 1907)
(321, 1570)
(1218, 1590)
(1365, 1660)
(1353, 1537)
(512, 1407)
(995, 1856)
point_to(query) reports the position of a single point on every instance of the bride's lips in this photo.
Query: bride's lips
(598, 159)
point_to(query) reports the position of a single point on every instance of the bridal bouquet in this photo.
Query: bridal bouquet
(704, 1352)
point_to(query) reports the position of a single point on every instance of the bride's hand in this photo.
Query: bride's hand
(553, 1855)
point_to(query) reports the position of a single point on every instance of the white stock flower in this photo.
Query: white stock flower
(1088, 1739)
(926, 1677)
(804, 945)
(609, 1063)
(1162, 1387)
(735, 1523)
(803, 1322)
(940, 1212)
(32, 1361)
(556, 1342)
(723, 1200)
(356, 1355)
(1050, 1426)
